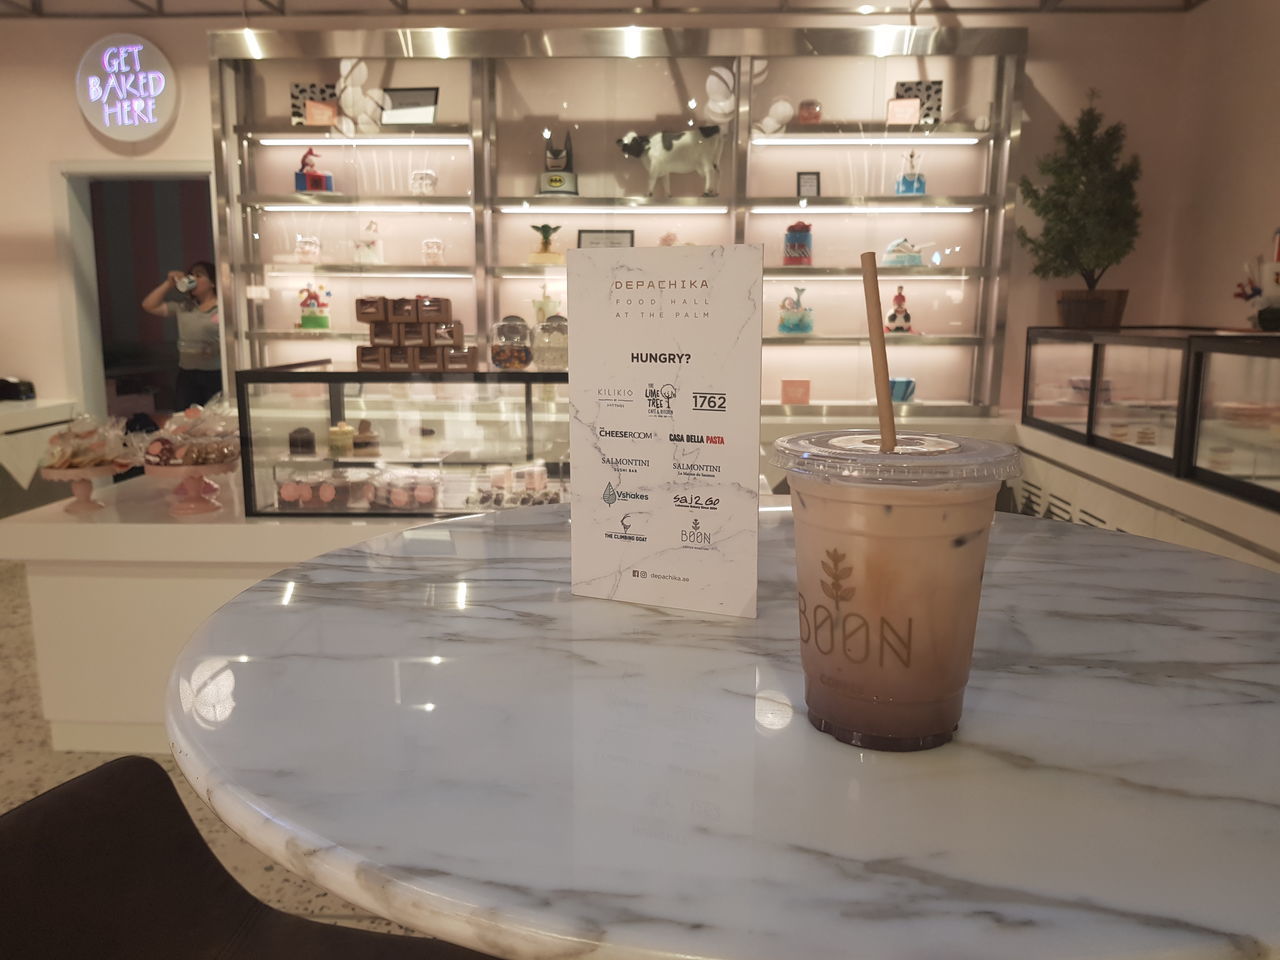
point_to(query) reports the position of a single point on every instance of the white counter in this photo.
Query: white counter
(115, 595)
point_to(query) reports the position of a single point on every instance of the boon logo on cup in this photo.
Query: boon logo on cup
(828, 627)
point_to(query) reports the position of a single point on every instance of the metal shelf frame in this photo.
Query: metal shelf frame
(234, 53)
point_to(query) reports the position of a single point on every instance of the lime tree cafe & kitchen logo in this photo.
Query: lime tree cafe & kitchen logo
(126, 87)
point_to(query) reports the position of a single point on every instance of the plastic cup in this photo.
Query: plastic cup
(890, 550)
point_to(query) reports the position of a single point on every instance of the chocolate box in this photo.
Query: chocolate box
(402, 310)
(371, 358)
(429, 360)
(384, 333)
(412, 334)
(435, 308)
(458, 358)
(371, 309)
(402, 358)
(444, 333)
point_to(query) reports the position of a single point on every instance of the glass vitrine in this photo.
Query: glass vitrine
(1237, 416)
(1058, 382)
(326, 439)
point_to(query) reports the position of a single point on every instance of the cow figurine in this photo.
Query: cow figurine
(690, 151)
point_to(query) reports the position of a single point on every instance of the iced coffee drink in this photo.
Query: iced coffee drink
(889, 556)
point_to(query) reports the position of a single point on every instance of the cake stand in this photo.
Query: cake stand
(195, 497)
(81, 480)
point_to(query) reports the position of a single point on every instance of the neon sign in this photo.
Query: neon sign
(126, 87)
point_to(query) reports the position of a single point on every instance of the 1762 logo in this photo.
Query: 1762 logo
(828, 626)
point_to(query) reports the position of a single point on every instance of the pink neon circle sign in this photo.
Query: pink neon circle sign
(126, 88)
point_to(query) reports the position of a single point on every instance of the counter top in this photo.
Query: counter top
(430, 725)
(135, 524)
(24, 414)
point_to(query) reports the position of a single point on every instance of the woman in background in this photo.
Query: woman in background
(199, 332)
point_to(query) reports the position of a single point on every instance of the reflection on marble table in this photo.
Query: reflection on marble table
(431, 726)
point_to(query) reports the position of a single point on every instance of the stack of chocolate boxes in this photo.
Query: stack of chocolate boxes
(416, 334)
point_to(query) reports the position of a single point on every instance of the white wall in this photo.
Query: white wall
(1132, 59)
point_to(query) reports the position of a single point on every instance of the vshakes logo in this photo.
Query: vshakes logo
(624, 531)
(617, 397)
(659, 399)
(694, 438)
(625, 434)
(612, 495)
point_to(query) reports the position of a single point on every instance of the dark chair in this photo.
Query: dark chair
(109, 866)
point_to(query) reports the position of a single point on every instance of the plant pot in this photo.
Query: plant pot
(1091, 308)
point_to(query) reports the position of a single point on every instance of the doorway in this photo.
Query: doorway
(142, 229)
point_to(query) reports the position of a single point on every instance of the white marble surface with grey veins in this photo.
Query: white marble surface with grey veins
(433, 727)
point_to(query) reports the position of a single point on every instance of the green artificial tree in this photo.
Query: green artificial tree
(1089, 207)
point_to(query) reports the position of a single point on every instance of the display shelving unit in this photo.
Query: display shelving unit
(503, 91)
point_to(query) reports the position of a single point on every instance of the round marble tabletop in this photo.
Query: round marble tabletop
(430, 725)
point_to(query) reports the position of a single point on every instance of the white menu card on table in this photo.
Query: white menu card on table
(664, 403)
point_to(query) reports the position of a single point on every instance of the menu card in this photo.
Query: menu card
(664, 400)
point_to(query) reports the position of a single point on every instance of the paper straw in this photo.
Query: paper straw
(879, 359)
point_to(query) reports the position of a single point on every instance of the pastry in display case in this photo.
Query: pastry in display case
(551, 344)
(417, 442)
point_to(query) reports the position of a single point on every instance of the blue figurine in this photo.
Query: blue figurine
(911, 181)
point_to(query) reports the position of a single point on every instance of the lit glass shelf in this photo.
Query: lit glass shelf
(358, 270)
(916, 204)
(353, 335)
(436, 135)
(848, 273)
(872, 134)
(680, 206)
(328, 202)
(890, 339)
(544, 270)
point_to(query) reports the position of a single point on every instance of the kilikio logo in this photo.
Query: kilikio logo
(124, 89)
(828, 627)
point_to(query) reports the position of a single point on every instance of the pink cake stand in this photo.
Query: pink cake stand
(81, 480)
(196, 498)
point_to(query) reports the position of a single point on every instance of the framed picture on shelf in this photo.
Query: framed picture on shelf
(587, 239)
(903, 110)
(928, 92)
(809, 184)
(410, 105)
(313, 104)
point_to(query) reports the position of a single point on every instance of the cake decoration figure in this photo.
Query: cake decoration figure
(911, 180)
(544, 253)
(314, 308)
(900, 320)
(308, 178)
(795, 318)
(558, 176)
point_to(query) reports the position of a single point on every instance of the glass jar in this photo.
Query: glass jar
(551, 344)
(509, 347)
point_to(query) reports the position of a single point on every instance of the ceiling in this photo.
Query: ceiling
(285, 8)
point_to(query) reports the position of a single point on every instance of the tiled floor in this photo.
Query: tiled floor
(28, 766)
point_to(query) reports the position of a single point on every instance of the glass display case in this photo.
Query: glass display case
(522, 145)
(1237, 416)
(1197, 403)
(322, 439)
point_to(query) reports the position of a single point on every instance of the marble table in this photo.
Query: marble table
(431, 726)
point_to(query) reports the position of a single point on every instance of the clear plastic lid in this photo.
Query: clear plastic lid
(918, 458)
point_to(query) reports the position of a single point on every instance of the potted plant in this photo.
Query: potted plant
(1089, 211)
